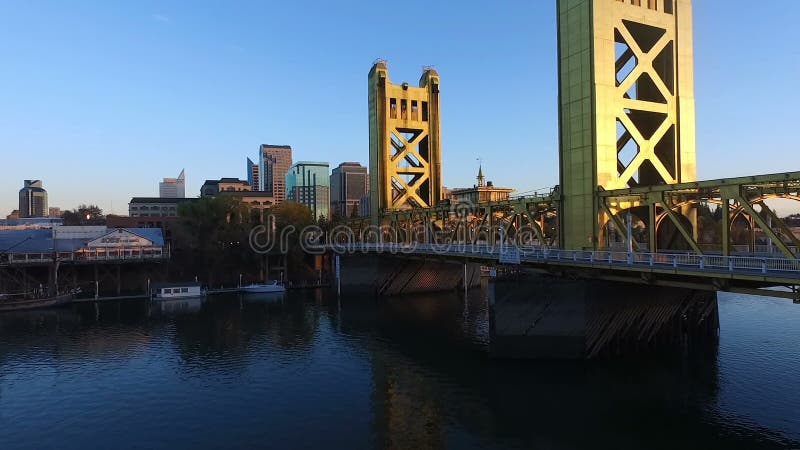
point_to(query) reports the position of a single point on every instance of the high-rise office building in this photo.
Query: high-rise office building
(307, 183)
(349, 184)
(253, 175)
(274, 162)
(173, 187)
(33, 200)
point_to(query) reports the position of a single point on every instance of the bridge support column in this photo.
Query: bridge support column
(551, 318)
(726, 228)
(389, 275)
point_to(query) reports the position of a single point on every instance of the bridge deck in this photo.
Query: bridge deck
(716, 270)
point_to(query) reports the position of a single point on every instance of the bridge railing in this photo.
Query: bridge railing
(686, 261)
(99, 255)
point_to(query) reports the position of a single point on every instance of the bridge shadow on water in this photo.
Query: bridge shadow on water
(432, 372)
(427, 377)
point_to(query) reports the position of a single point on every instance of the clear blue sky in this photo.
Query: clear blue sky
(103, 99)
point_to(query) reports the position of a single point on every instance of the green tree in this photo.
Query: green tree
(84, 215)
(211, 241)
(355, 212)
(290, 214)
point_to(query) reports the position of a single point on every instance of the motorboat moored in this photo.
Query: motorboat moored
(262, 288)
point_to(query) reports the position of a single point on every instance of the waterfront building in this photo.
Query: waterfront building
(14, 215)
(173, 187)
(166, 224)
(55, 212)
(253, 175)
(480, 193)
(274, 163)
(33, 200)
(81, 239)
(212, 188)
(308, 183)
(31, 223)
(155, 206)
(348, 185)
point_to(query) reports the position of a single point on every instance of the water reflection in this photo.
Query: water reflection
(309, 369)
(429, 372)
(178, 305)
(264, 297)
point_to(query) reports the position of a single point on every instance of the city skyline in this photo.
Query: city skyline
(72, 96)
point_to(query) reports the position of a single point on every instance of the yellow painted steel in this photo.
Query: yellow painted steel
(404, 142)
(626, 104)
(735, 196)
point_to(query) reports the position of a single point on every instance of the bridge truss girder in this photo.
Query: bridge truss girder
(678, 205)
(667, 216)
(527, 221)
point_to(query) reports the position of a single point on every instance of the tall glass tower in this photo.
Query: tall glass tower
(308, 183)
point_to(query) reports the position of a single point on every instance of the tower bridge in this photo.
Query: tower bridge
(629, 222)
(627, 153)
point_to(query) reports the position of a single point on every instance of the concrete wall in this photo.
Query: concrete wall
(585, 319)
(392, 275)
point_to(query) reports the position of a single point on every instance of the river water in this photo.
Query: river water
(311, 371)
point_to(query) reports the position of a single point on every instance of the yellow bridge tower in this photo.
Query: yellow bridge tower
(626, 95)
(404, 142)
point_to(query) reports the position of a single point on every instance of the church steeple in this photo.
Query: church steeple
(481, 178)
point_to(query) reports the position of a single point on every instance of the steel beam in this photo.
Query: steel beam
(620, 226)
(688, 237)
(726, 228)
(766, 229)
(784, 229)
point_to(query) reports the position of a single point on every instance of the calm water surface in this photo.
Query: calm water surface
(309, 371)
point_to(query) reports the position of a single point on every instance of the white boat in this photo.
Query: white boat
(261, 288)
(167, 291)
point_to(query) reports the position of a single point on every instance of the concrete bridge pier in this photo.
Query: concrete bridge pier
(548, 318)
(388, 275)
